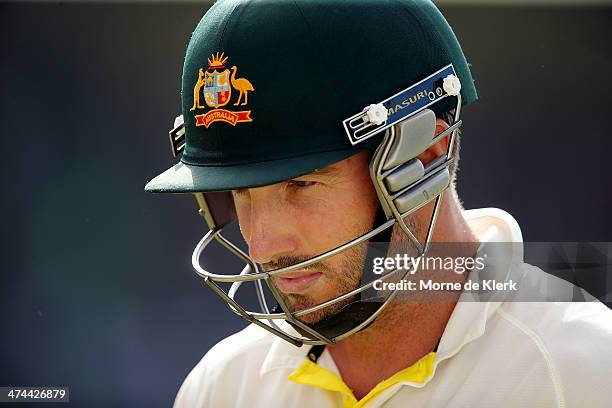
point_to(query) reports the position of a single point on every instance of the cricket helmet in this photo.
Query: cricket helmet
(273, 90)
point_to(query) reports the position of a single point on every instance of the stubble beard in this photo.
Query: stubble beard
(344, 279)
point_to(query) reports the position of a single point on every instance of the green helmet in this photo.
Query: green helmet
(266, 84)
(276, 89)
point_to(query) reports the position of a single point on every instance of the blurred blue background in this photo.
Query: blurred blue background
(96, 287)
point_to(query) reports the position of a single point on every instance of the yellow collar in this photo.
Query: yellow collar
(309, 373)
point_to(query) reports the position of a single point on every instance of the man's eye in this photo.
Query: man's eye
(301, 183)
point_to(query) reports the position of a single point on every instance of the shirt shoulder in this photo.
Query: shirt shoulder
(218, 374)
(572, 340)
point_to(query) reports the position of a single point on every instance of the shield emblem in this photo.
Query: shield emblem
(217, 89)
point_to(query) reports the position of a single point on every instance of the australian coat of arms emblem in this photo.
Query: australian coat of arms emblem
(216, 85)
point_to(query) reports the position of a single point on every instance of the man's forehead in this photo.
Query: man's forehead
(331, 170)
(359, 159)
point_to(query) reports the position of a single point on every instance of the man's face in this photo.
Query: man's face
(294, 220)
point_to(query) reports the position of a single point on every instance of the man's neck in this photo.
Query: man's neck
(405, 331)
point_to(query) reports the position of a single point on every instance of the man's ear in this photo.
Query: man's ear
(440, 147)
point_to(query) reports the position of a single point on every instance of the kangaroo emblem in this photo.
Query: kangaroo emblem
(215, 84)
(196, 91)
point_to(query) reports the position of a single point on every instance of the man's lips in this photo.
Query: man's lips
(296, 282)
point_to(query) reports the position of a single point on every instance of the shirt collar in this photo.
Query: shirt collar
(469, 318)
(283, 354)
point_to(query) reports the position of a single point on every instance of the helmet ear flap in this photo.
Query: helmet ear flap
(413, 137)
(402, 182)
(394, 166)
(217, 208)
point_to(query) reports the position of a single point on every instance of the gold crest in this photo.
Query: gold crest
(216, 85)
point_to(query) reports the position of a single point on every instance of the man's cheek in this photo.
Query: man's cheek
(325, 230)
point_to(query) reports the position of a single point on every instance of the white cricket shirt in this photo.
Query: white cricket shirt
(492, 354)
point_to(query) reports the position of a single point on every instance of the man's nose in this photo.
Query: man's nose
(272, 230)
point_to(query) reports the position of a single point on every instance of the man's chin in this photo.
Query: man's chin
(318, 315)
(299, 302)
(308, 318)
(314, 317)
(296, 305)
